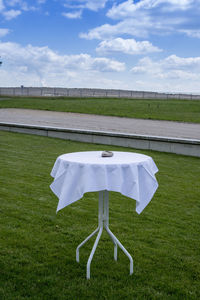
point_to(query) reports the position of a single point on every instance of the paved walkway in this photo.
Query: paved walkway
(101, 123)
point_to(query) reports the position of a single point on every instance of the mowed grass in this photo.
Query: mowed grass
(172, 110)
(37, 247)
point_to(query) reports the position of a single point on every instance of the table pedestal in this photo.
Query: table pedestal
(103, 223)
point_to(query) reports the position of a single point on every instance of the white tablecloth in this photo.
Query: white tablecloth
(130, 174)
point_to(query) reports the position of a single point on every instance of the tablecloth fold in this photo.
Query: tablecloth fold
(130, 174)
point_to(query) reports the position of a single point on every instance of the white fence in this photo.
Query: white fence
(83, 92)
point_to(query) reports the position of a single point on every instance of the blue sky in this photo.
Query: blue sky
(151, 45)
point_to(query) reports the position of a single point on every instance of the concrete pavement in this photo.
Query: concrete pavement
(101, 123)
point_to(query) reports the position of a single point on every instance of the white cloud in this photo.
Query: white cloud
(20, 4)
(134, 27)
(127, 46)
(41, 66)
(13, 2)
(76, 9)
(35, 65)
(171, 67)
(73, 15)
(45, 58)
(94, 5)
(170, 74)
(139, 26)
(195, 33)
(11, 14)
(11, 9)
(189, 64)
(172, 5)
(4, 32)
(124, 9)
(103, 64)
(129, 8)
(1, 5)
(146, 17)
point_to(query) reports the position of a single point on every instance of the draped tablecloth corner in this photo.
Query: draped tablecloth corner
(131, 174)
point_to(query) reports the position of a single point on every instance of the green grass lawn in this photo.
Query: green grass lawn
(37, 247)
(172, 110)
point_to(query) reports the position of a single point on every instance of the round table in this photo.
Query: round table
(131, 174)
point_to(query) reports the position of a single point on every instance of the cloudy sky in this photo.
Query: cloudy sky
(151, 45)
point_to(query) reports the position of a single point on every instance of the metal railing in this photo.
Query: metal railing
(86, 92)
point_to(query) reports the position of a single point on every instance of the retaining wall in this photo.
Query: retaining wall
(163, 144)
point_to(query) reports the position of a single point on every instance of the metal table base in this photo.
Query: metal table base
(103, 217)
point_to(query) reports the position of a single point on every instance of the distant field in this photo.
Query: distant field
(37, 246)
(172, 110)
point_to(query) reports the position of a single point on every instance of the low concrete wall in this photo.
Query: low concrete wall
(75, 92)
(163, 144)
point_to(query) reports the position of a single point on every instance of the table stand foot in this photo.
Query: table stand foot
(93, 251)
(103, 222)
(122, 247)
(81, 244)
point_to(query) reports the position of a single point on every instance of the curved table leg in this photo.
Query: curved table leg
(92, 252)
(103, 222)
(115, 245)
(122, 247)
(81, 244)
